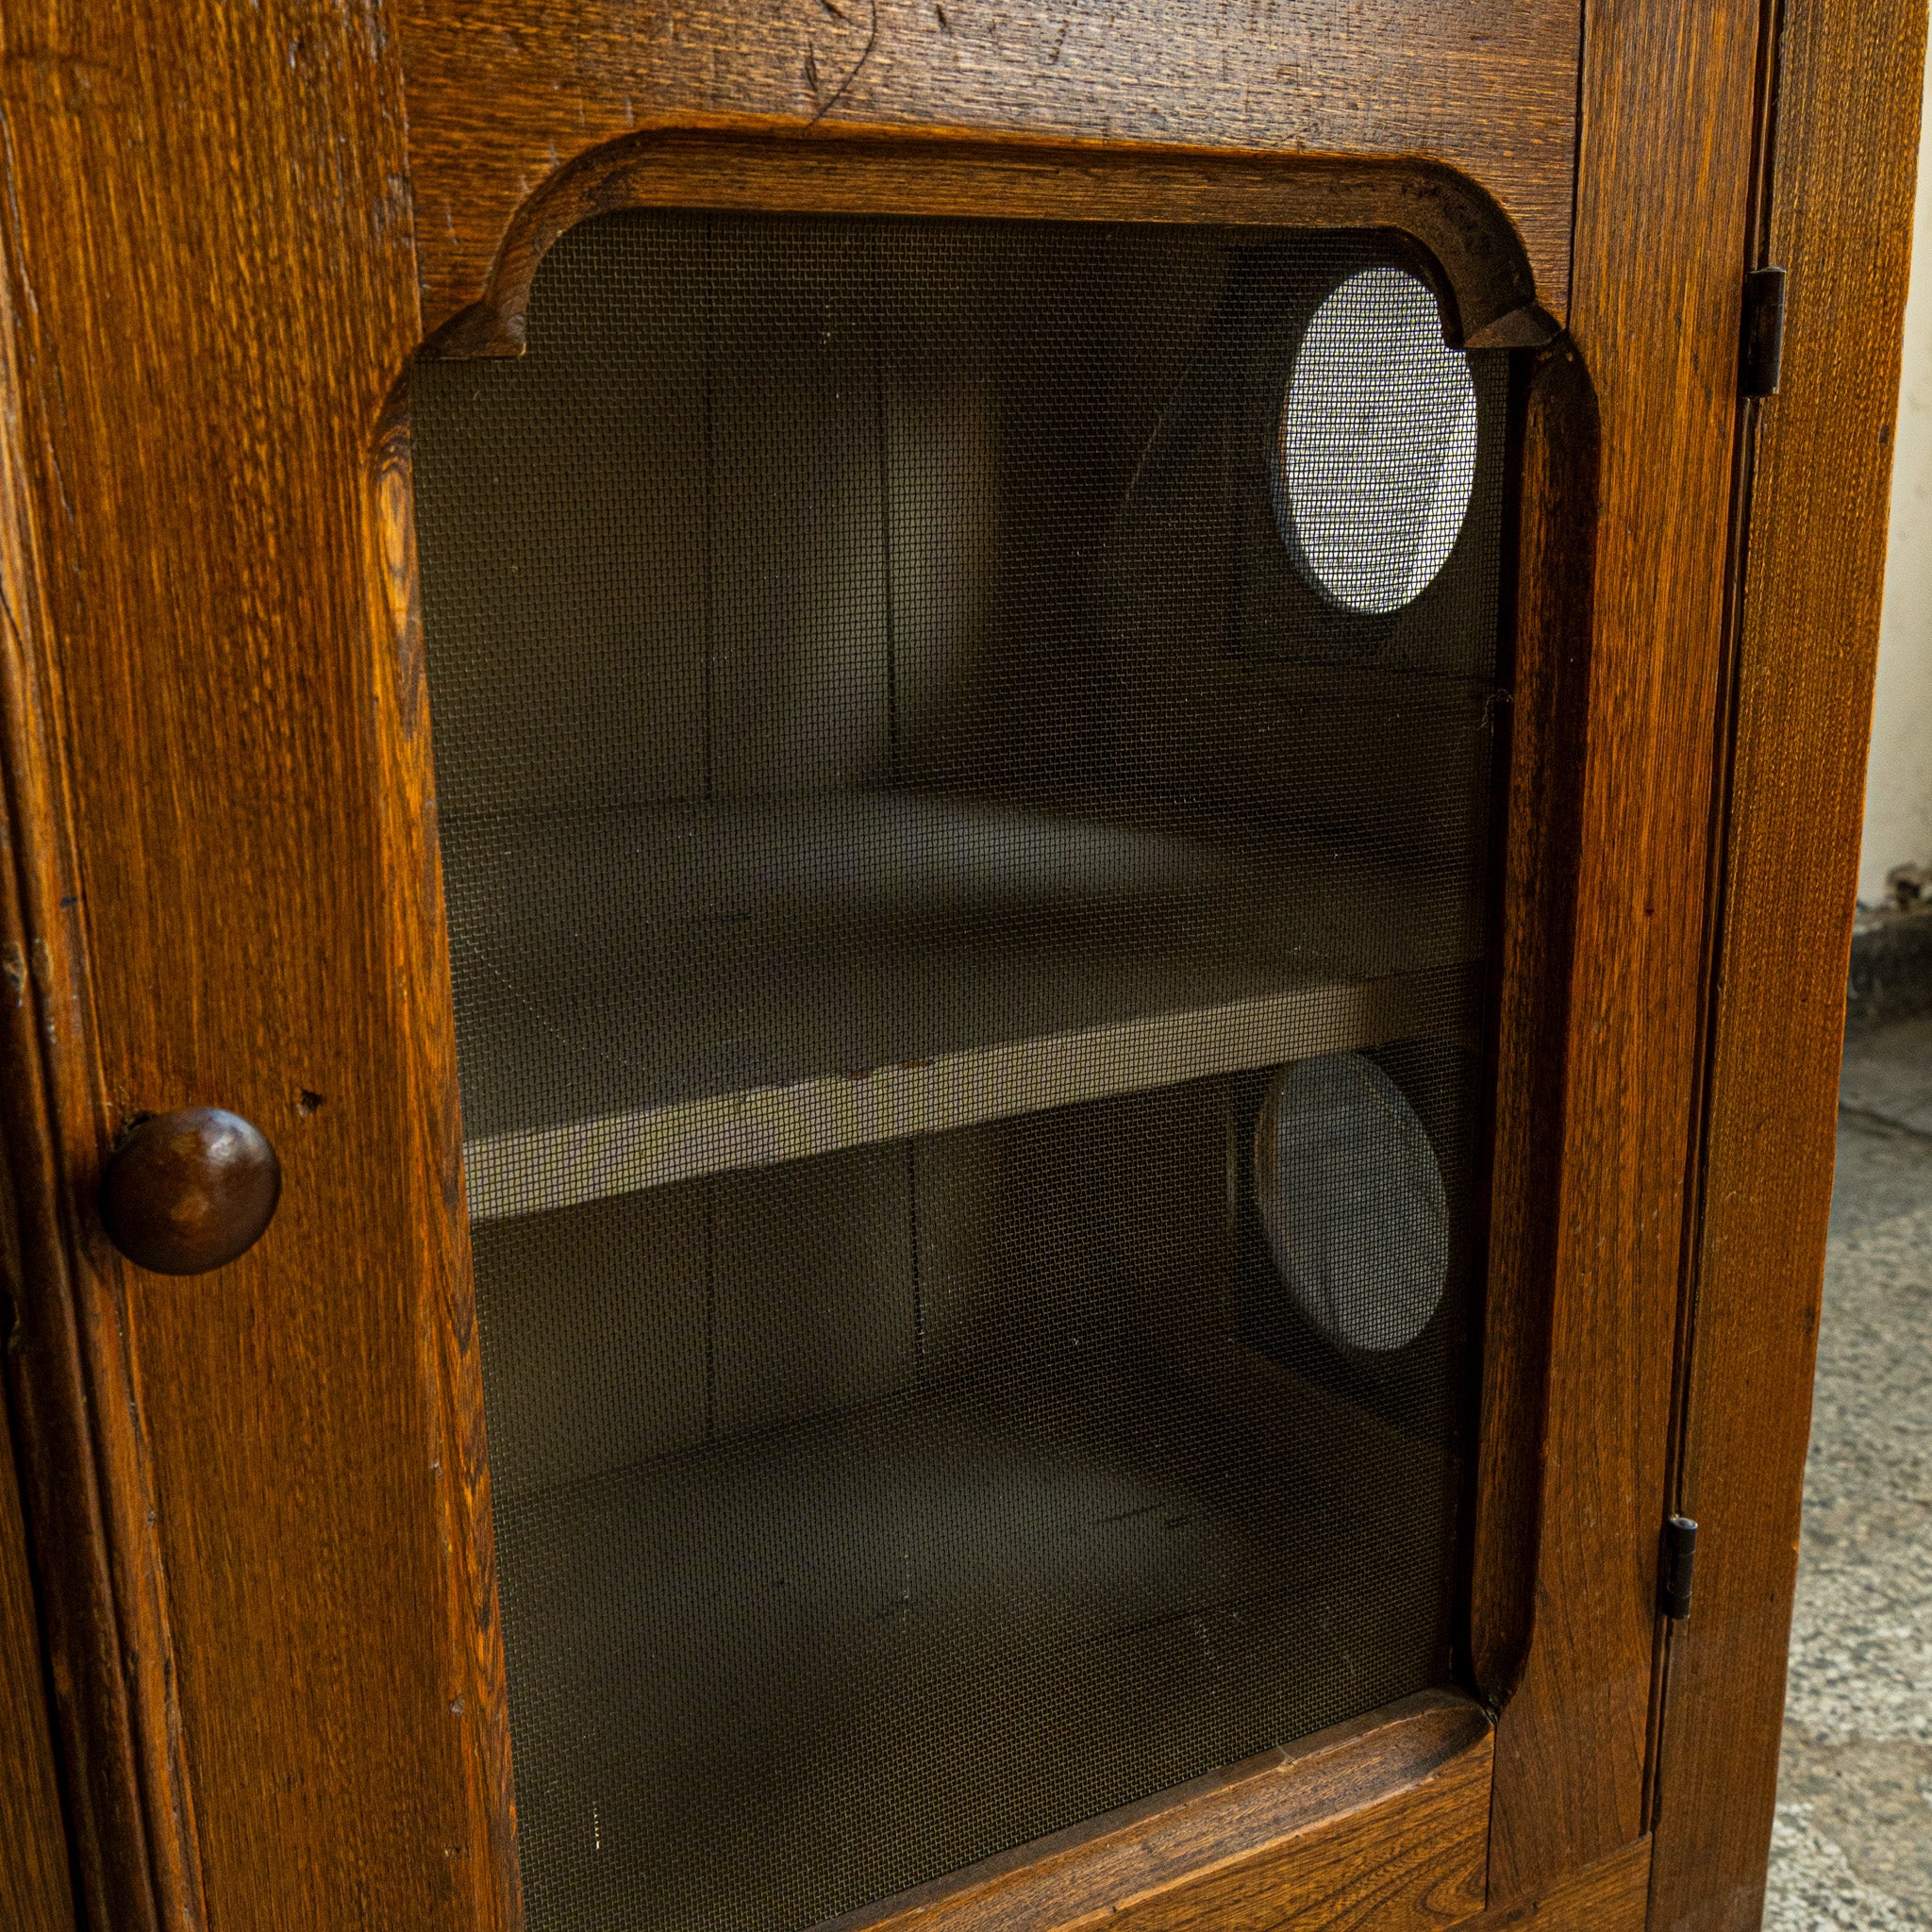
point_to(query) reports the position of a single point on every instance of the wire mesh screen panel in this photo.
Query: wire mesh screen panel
(963, 753)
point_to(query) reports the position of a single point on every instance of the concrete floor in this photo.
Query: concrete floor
(1853, 1843)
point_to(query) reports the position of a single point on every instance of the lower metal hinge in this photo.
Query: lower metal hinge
(1678, 1567)
(1761, 344)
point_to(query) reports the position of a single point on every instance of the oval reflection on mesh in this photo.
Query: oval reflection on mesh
(1351, 1200)
(1377, 444)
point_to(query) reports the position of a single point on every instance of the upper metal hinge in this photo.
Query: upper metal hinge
(1761, 348)
(1677, 1569)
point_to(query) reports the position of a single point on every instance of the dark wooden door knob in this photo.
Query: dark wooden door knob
(191, 1191)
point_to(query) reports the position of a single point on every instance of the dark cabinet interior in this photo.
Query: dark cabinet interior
(963, 754)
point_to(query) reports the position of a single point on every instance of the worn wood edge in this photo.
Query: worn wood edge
(528, 1171)
(1552, 520)
(1416, 1861)
(87, 1487)
(1142, 1853)
(420, 980)
(1838, 214)
(743, 164)
(1612, 1895)
(36, 1881)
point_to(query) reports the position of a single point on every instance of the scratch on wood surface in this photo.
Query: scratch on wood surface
(865, 53)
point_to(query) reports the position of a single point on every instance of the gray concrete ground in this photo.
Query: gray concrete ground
(1853, 1843)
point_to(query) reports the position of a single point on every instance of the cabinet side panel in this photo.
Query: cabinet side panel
(1840, 221)
(1662, 191)
(211, 208)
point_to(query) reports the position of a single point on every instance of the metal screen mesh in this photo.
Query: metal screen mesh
(963, 755)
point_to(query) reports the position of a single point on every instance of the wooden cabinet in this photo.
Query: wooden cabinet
(1025, 1136)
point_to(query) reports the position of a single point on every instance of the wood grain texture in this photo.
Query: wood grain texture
(1839, 218)
(85, 1477)
(1380, 1823)
(35, 1890)
(1489, 288)
(1661, 209)
(504, 93)
(1609, 1896)
(417, 936)
(211, 309)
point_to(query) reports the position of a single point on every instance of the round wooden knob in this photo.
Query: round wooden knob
(191, 1191)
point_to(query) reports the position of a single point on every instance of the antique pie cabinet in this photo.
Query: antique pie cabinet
(922, 940)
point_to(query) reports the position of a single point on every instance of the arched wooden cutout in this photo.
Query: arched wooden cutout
(1487, 289)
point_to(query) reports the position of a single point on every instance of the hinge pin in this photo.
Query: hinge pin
(1679, 1566)
(1761, 348)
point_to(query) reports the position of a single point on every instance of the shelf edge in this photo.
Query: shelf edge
(534, 1170)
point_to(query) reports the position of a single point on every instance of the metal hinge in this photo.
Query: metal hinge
(1678, 1567)
(1761, 346)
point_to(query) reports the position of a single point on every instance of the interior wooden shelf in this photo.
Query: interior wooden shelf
(658, 994)
(955, 1573)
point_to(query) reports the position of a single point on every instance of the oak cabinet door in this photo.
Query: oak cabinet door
(932, 792)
